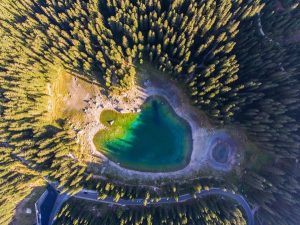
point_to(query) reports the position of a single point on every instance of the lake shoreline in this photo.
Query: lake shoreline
(151, 83)
(165, 155)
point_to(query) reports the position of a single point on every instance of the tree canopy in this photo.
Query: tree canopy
(231, 70)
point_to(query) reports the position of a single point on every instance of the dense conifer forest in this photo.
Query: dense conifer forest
(236, 73)
(208, 211)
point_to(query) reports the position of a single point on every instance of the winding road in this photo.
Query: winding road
(93, 196)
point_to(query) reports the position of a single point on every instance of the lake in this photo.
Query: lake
(157, 140)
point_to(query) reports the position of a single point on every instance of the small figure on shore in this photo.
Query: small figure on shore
(110, 122)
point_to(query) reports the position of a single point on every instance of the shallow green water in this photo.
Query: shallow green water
(158, 140)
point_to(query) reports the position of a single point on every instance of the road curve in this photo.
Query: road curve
(93, 196)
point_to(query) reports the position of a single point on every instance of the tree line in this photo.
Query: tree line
(208, 211)
(233, 73)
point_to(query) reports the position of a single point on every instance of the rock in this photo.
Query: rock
(110, 122)
(118, 109)
(28, 211)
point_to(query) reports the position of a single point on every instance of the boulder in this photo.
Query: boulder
(28, 211)
(110, 122)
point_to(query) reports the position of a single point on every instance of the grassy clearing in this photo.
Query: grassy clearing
(57, 91)
(121, 123)
(67, 97)
(61, 94)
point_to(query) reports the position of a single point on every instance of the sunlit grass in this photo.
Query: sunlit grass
(59, 91)
(121, 122)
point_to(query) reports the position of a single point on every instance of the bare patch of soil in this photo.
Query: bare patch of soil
(23, 218)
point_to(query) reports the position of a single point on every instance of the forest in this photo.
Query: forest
(212, 211)
(237, 73)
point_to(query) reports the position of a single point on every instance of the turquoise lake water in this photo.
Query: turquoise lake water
(158, 140)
